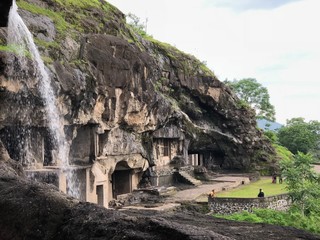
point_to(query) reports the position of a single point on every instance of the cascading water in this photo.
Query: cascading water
(20, 37)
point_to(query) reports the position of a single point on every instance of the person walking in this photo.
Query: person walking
(280, 179)
(274, 178)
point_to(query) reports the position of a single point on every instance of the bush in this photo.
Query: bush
(292, 218)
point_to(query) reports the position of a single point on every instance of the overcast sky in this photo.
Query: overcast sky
(275, 41)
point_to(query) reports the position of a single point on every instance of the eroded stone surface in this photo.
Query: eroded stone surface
(128, 103)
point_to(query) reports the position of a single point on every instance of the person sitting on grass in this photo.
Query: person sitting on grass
(261, 193)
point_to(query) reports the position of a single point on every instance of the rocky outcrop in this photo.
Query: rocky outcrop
(107, 76)
(110, 76)
(117, 93)
(35, 211)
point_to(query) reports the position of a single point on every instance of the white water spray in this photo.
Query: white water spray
(20, 37)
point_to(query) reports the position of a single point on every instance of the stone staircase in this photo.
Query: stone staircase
(190, 179)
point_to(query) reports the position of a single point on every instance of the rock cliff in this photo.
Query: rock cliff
(119, 95)
(128, 103)
(104, 73)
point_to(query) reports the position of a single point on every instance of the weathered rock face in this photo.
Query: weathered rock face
(123, 87)
(117, 94)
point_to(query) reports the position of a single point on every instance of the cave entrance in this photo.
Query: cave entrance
(213, 159)
(121, 179)
(4, 12)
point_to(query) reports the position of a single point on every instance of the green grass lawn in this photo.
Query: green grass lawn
(252, 189)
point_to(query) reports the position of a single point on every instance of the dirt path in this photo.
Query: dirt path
(316, 168)
(218, 184)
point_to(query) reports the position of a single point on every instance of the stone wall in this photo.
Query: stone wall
(232, 205)
(162, 176)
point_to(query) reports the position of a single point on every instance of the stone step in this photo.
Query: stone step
(190, 178)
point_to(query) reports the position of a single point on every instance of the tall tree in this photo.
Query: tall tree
(256, 95)
(302, 183)
(300, 136)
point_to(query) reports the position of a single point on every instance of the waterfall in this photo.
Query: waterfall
(20, 37)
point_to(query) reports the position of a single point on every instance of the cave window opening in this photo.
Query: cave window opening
(166, 147)
(103, 139)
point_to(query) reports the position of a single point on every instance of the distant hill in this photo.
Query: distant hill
(268, 125)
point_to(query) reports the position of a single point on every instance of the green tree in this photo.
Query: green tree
(271, 135)
(302, 183)
(135, 23)
(298, 135)
(256, 95)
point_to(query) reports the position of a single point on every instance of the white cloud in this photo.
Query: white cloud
(279, 46)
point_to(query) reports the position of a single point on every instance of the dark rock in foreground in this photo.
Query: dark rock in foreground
(35, 211)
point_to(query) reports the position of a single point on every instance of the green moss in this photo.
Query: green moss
(71, 14)
(162, 85)
(78, 63)
(242, 104)
(85, 4)
(131, 36)
(15, 49)
(57, 17)
(188, 63)
(47, 60)
(79, 3)
(5, 48)
(165, 48)
(283, 152)
(205, 70)
(78, 11)
(46, 44)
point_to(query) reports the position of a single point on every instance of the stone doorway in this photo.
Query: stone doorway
(121, 183)
(121, 179)
(100, 195)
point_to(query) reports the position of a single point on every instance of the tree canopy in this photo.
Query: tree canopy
(300, 136)
(256, 95)
(302, 183)
(135, 23)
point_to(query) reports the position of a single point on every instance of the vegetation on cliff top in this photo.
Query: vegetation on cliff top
(56, 17)
(70, 14)
(190, 64)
